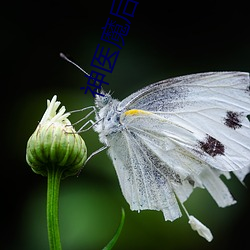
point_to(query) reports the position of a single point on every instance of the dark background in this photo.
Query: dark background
(165, 40)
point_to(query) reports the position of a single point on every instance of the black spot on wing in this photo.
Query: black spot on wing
(212, 146)
(191, 181)
(233, 119)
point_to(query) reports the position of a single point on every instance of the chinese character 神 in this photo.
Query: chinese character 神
(95, 82)
(103, 60)
(113, 32)
(126, 9)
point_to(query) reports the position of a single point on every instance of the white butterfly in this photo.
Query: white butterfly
(175, 135)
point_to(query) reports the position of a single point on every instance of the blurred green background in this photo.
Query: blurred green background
(165, 40)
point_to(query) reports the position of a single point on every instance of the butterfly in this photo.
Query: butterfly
(175, 135)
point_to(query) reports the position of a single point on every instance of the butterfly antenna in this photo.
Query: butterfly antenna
(68, 60)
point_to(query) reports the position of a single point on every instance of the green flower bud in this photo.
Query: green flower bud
(55, 144)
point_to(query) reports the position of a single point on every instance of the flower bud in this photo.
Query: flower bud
(55, 144)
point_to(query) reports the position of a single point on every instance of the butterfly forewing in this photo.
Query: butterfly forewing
(213, 107)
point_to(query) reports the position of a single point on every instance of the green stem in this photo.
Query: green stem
(54, 177)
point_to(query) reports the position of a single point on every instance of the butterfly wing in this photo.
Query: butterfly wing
(212, 106)
(141, 184)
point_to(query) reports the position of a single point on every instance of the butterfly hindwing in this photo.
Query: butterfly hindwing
(142, 184)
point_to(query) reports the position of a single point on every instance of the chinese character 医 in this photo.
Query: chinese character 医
(103, 60)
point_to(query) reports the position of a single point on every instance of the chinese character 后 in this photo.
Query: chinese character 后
(113, 32)
(126, 9)
(103, 60)
(95, 82)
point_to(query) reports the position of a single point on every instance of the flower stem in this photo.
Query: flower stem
(54, 177)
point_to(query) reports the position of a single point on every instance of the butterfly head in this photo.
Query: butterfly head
(103, 99)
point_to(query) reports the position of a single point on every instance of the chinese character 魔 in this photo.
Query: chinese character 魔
(113, 32)
(103, 60)
(95, 81)
(126, 9)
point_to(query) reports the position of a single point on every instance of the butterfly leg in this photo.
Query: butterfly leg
(86, 116)
(83, 127)
(94, 153)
